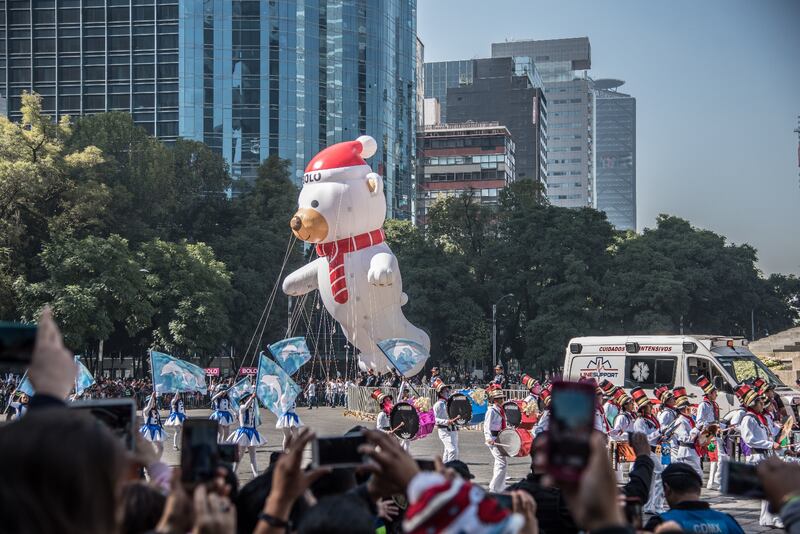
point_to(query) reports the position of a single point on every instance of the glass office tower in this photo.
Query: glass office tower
(563, 66)
(250, 78)
(292, 77)
(90, 56)
(615, 160)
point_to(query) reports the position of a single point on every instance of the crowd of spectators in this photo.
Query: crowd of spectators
(86, 482)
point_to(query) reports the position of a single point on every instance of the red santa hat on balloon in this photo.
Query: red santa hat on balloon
(341, 161)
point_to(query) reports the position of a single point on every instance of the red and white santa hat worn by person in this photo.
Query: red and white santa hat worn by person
(439, 505)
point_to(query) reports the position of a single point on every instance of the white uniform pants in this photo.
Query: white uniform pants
(450, 442)
(498, 482)
(657, 503)
(406, 445)
(692, 460)
(715, 471)
(765, 519)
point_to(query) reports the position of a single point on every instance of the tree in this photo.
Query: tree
(138, 171)
(190, 290)
(253, 239)
(94, 285)
(39, 189)
(438, 287)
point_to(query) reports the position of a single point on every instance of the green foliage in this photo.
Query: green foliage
(139, 244)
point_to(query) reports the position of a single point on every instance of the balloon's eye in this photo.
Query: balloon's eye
(314, 204)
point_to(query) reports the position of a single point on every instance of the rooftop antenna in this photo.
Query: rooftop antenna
(797, 131)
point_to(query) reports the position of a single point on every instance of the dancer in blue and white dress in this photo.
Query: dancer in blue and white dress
(221, 405)
(152, 430)
(290, 424)
(177, 415)
(18, 407)
(247, 436)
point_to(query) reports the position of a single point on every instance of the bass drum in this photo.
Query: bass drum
(405, 420)
(459, 408)
(513, 413)
(515, 442)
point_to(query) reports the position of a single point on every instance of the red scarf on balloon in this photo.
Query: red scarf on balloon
(335, 252)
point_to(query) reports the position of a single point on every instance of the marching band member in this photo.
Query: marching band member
(221, 405)
(533, 389)
(152, 429)
(756, 434)
(600, 422)
(289, 423)
(177, 415)
(446, 426)
(708, 414)
(494, 422)
(247, 436)
(385, 401)
(623, 424)
(686, 432)
(773, 405)
(544, 415)
(667, 414)
(609, 408)
(647, 424)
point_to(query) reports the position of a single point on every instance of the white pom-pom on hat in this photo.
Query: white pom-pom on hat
(368, 146)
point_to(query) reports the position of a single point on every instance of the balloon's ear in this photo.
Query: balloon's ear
(375, 184)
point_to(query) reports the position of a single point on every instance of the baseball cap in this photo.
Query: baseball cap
(461, 468)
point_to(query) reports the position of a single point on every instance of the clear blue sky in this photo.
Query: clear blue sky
(717, 84)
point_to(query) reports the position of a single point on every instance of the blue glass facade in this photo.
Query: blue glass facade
(294, 76)
(92, 56)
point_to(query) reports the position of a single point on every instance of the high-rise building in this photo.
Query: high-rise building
(499, 92)
(475, 157)
(248, 77)
(443, 75)
(90, 56)
(615, 153)
(562, 65)
(291, 77)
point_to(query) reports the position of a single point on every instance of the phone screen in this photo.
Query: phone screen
(339, 451)
(16, 343)
(118, 414)
(571, 422)
(199, 450)
(426, 465)
(741, 479)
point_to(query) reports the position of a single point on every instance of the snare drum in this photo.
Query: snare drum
(515, 442)
(459, 408)
(405, 420)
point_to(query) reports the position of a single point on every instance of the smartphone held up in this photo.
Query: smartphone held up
(571, 421)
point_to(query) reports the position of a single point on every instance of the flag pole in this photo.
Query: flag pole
(152, 374)
(399, 372)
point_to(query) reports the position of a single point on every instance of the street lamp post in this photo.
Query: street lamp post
(494, 329)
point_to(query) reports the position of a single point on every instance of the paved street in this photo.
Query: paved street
(329, 421)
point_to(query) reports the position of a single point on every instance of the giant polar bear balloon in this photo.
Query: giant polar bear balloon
(342, 210)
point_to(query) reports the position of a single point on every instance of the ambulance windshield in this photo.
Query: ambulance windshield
(744, 365)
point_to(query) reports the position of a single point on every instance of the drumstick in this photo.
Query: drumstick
(398, 427)
(501, 445)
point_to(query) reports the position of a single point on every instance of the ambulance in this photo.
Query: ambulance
(651, 361)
